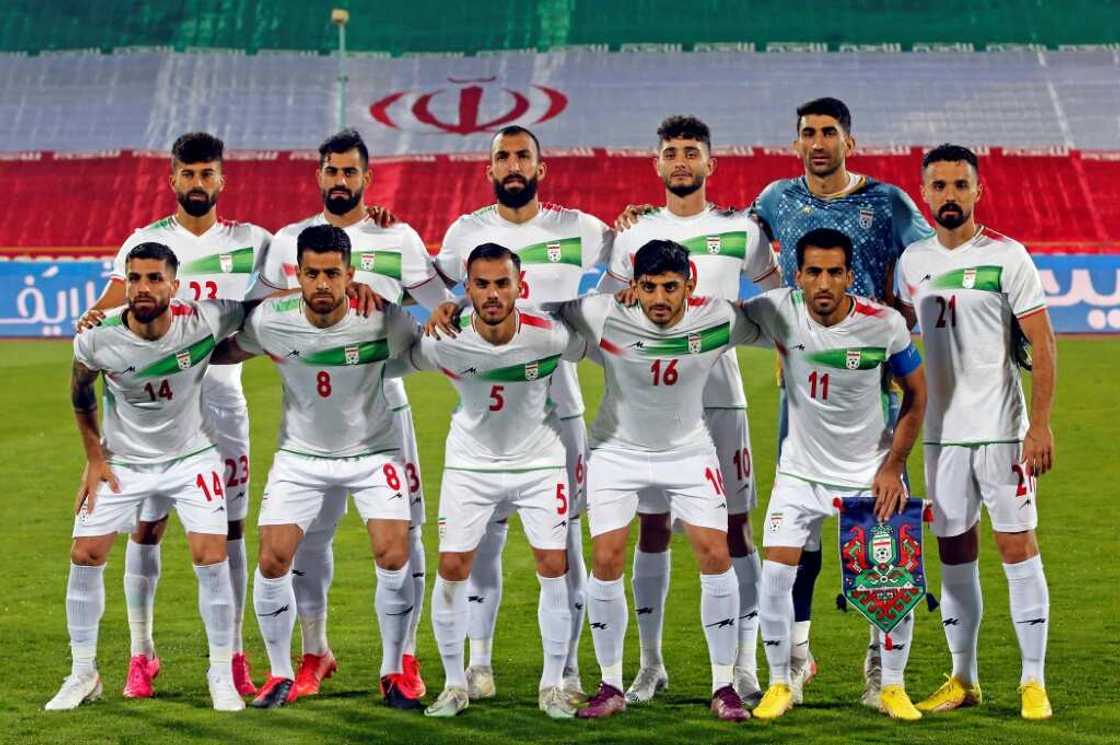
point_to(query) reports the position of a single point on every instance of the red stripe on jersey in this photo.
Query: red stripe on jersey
(868, 309)
(275, 358)
(354, 303)
(610, 348)
(290, 270)
(1030, 313)
(697, 300)
(781, 348)
(449, 374)
(537, 321)
(179, 309)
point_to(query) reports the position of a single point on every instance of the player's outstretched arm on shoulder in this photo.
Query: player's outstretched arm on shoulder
(229, 352)
(83, 396)
(630, 216)
(380, 215)
(1038, 445)
(445, 319)
(367, 300)
(111, 297)
(888, 488)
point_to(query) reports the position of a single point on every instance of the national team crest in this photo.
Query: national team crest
(532, 370)
(773, 521)
(881, 563)
(866, 218)
(184, 359)
(353, 354)
(367, 262)
(695, 344)
(968, 279)
(853, 359)
(714, 244)
(554, 252)
(225, 261)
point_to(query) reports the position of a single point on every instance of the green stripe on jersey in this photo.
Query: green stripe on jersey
(362, 353)
(238, 261)
(387, 263)
(164, 223)
(182, 360)
(987, 278)
(559, 251)
(527, 371)
(850, 358)
(732, 244)
(116, 320)
(695, 343)
(286, 304)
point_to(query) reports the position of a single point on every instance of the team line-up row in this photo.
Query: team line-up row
(670, 443)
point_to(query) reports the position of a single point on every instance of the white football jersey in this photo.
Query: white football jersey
(655, 377)
(965, 300)
(153, 389)
(218, 264)
(505, 420)
(390, 260)
(839, 432)
(334, 400)
(723, 245)
(556, 247)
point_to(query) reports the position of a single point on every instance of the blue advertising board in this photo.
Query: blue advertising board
(44, 298)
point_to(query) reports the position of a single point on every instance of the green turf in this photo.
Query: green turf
(42, 459)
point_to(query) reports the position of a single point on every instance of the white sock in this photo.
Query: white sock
(312, 573)
(748, 571)
(417, 566)
(576, 579)
(141, 575)
(449, 622)
(484, 592)
(775, 612)
(554, 615)
(215, 605)
(274, 602)
(895, 650)
(799, 642)
(1030, 612)
(85, 604)
(719, 613)
(962, 607)
(239, 582)
(606, 609)
(651, 588)
(393, 601)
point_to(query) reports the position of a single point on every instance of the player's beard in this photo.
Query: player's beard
(337, 205)
(314, 301)
(951, 219)
(196, 207)
(515, 199)
(683, 190)
(147, 314)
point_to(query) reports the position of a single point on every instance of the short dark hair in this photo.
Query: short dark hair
(684, 127)
(493, 252)
(826, 106)
(824, 238)
(344, 141)
(512, 130)
(949, 153)
(153, 250)
(661, 257)
(197, 147)
(321, 239)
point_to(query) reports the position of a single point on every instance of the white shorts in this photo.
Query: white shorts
(573, 433)
(732, 437)
(298, 486)
(961, 477)
(410, 456)
(797, 510)
(192, 485)
(620, 483)
(228, 429)
(468, 500)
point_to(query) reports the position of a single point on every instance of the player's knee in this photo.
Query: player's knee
(655, 532)
(739, 541)
(551, 563)
(607, 562)
(454, 567)
(392, 556)
(208, 552)
(86, 554)
(149, 533)
(1016, 547)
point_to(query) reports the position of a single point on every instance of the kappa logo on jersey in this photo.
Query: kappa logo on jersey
(853, 359)
(714, 244)
(225, 263)
(353, 354)
(532, 370)
(866, 218)
(184, 359)
(554, 253)
(968, 279)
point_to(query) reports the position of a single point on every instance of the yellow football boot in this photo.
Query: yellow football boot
(953, 695)
(1036, 704)
(777, 701)
(894, 702)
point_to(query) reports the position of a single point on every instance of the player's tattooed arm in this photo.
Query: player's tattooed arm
(887, 487)
(1038, 445)
(84, 398)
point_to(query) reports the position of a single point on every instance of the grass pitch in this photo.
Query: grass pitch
(42, 459)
